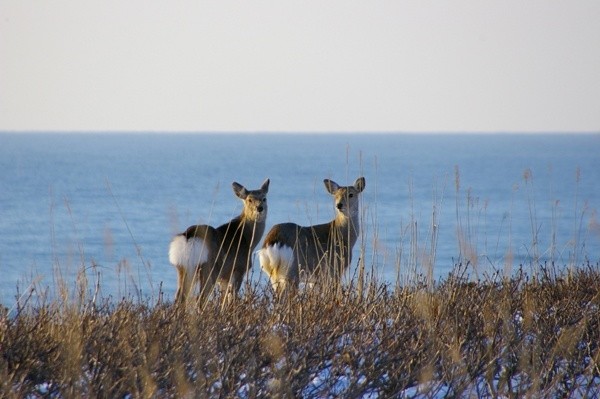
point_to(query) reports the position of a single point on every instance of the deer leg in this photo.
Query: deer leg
(231, 288)
(184, 284)
(207, 284)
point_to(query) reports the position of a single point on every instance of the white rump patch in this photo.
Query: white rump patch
(273, 257)
(187, 253)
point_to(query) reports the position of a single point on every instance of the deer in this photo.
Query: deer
(290, 251)
(222, 255)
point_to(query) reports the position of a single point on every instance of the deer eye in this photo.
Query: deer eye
(350, 195)
(264, 200)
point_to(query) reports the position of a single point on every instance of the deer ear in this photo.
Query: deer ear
(359, 184)
(239, 190)
(331, 186)
(265, 186)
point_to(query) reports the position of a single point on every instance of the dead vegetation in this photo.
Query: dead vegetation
(508, 337)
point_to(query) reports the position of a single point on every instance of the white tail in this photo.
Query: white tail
(324, 249)
(208, 255)
(188, 253)
(275, 260)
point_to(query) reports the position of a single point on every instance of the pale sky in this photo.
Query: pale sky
(306, 66)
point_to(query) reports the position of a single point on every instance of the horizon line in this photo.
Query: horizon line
(302, 132)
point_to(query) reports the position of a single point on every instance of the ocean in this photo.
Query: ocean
(97, 211)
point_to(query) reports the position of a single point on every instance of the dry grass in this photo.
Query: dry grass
(497, 337)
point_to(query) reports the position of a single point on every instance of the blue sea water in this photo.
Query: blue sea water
(105, 206)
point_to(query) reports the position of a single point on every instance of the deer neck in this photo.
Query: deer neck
(252, 230)
(348, 228)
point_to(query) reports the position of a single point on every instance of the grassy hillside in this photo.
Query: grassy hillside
(495, 337)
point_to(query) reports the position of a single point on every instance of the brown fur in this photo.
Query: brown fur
(323, 249)
(228, 247)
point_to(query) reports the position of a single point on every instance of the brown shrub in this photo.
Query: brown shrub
(500, 336)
